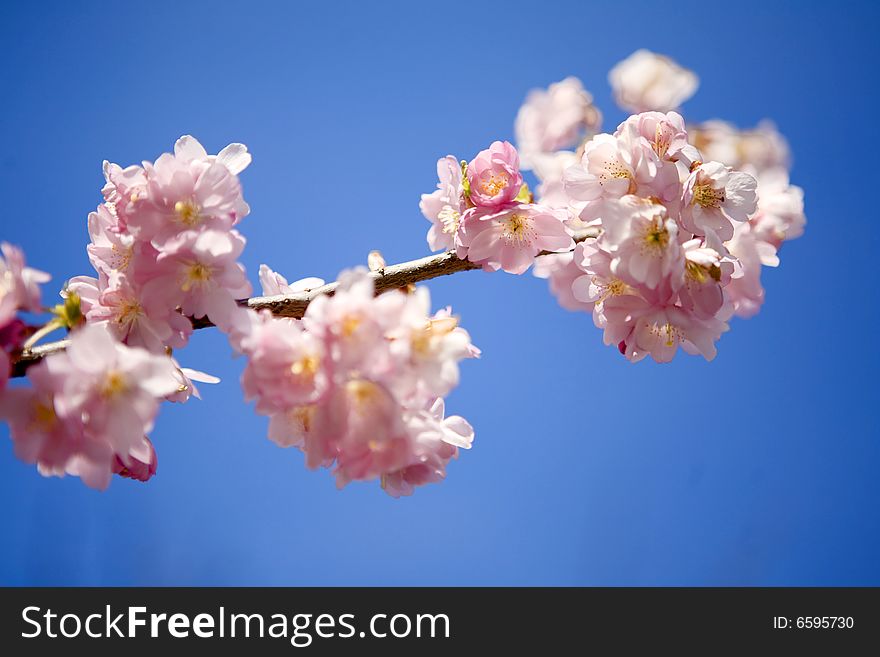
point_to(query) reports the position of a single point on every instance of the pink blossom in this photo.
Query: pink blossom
(716, 198)
(285, 367)
(745, 293)
(123, 191)
(664, 149)
(426, 350)
(349, 385)
(141, 463)
(494, 177)
(111, 250)
(372, 438)
(708, 269)
(444, 206)
(19, 284)
(353, 322)
(511, 238)
(780, 216)
(186, 388)
(647, 81)
(134, 318)
(58, 445)
(184, 195)
(115, 387)
(437, 440)
(606, 171)
(598, 284)
(645, 243)
(234, 157)
(660, 332)
(198, 271)
(555, 118)
(757, 149)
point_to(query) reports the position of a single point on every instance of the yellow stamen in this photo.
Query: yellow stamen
(707, 196)
(188, 213)
(494, 185)
(114, 384)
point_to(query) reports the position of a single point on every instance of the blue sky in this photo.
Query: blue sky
(758, 468)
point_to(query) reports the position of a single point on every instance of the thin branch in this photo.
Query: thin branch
(294, 305)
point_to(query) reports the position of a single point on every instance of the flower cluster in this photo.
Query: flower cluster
(681, 220)
(686, 218)
(358, 384)
(164, 248)
(483, 211)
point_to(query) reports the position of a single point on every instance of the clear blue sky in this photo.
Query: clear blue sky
(758, 468)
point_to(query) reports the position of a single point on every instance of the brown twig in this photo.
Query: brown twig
(294, 305)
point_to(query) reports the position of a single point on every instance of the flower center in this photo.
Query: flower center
(188, 213)
(44, 417)
(196, 274)
(121, 257)
(449, 217)
(655, 238)
(700, 273)
(128, 311)
(114, 384)
(667, 332)
(362, 393)
(517, 228)
(434, 328)
(306, 367)
(494, 184)
(613, 288)
(707, 196)
(350, 324)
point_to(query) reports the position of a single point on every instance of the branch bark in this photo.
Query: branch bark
(294, 305)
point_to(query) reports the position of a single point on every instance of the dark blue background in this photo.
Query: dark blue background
(758, 468)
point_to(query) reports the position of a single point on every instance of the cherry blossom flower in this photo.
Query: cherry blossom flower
(19, 284)
(646, 247)
(124, 190)
(708, 270)
(111, 250)
(745, 293)
(716, 198)
(607, 171)
(141, 463)
(186, 388)
(555, 118)
(647, 81)
(427, 349)
(285, 367)
(780, 215)
(199, 272)
(133, 318)
(184, 195)
(117, 389)
(437, 440)
(756, 150)
(494, 178)
(444, 206)
(510, 239)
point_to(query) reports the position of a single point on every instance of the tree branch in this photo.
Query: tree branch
(294, 305)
